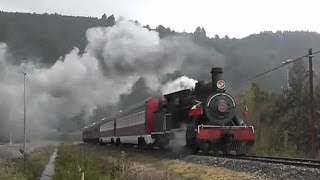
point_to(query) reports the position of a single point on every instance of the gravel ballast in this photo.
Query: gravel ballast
(259, 169)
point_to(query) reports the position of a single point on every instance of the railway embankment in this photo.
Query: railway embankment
(77, 161)
(109, 162)
(127, 162)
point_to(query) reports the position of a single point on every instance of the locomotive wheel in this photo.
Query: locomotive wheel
(141, 142)
(118, 142)
(191, 140)
(205, 147)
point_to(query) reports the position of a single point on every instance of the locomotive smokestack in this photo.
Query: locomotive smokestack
(216, 74)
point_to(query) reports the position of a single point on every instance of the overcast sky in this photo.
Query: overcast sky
(236, 18)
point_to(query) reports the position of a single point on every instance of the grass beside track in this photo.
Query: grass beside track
(36, 161)
(73, 160)
(107, 162)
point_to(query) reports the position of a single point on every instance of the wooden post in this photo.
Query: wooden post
(285, 139)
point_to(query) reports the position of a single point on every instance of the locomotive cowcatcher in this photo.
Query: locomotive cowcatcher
(206, 114)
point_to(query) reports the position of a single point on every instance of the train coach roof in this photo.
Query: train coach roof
(91, 125)
(108, 119)
(182, 93)
(136, 107)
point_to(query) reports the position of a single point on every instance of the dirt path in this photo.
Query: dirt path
(48, 172)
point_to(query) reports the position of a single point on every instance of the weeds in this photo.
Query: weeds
(73, 160)
(108, 163)
(126, 170)
(35, 164)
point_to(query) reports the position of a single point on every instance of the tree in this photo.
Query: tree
(201, 32)
(147, 27)
(160, 28)
(297, 77)
(104, 17)
(261, 108)
(198, 30)
(163, 31)
(111, 20)
(297, 100)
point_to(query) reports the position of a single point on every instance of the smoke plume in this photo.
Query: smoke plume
(64, 96)
(178, 84)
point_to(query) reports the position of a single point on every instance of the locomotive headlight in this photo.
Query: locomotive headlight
(221, 84)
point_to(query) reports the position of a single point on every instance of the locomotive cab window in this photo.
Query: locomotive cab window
(176, 101)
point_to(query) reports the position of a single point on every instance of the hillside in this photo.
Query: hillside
(43, 38)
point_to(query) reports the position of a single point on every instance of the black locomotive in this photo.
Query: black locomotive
(209, 113)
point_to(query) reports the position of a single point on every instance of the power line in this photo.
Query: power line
(283, 64)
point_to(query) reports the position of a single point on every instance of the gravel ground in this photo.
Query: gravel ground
(259, 169)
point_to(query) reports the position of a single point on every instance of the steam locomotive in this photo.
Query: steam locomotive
(206, 114)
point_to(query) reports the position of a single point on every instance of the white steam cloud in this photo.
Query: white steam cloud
(178, 84)
(115, 57)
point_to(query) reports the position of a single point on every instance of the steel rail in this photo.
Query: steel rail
(311, 163)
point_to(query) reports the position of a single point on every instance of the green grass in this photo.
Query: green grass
(71, 162)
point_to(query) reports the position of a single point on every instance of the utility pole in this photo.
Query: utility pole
(311, 107)
(287, 92)
(10, 138)
(24, 120)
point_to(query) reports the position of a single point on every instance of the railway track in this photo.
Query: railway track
(311, 163)
(262, 166)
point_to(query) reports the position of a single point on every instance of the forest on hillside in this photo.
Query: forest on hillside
(279, 113)
(46, 37)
